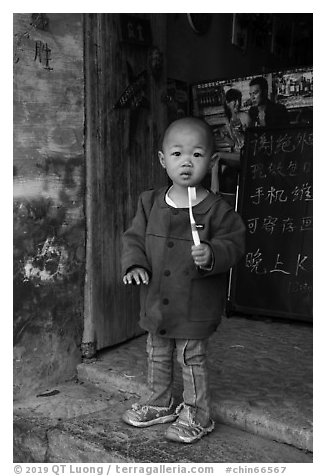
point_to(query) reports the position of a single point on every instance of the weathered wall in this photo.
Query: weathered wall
(49, 222)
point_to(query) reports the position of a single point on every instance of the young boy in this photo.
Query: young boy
(183, 286)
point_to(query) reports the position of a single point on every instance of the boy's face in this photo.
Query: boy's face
(187, 154)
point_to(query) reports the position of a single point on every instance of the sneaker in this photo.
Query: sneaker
(147, 415)
(185, 429)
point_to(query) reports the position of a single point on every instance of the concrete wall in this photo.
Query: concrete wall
(49, 222)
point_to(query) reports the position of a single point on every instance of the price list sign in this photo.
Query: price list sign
(275, 201)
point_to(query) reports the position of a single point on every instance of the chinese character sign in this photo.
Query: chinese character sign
(275, 202)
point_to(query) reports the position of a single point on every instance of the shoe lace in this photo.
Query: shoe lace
(146, 408)
(186, 419)
(138, 407)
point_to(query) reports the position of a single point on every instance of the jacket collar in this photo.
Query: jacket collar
(200, 208)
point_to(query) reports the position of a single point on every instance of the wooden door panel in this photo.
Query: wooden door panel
(121, 154)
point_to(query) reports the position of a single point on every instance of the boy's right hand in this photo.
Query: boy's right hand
(138, 275)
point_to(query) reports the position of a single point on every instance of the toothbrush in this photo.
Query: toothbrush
(192, 196)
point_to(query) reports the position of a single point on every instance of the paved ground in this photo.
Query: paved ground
(261, 376)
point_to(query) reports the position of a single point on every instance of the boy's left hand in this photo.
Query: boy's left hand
(202, 255)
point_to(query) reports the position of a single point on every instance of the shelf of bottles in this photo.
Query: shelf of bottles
(208, 98)
(294, 88)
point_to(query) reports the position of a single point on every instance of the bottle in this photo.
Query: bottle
(292, 87)
(283, 87)
(278, 87)
(297, 88)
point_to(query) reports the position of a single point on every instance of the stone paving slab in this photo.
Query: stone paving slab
(260, 372)
(82, 424)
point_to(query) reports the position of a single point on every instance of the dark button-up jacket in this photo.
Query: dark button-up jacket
(182, 300)
(276, 115)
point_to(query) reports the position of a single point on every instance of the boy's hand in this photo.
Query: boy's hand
(202, 255)
(138, 275)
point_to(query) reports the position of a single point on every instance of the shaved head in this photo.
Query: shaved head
(188, 123)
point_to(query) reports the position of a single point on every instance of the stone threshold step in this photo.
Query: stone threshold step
(79, 423)
(111, 372)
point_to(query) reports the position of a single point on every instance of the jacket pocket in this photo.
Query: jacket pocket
(207, 298)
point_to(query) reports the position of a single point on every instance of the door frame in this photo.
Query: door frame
(91, 52)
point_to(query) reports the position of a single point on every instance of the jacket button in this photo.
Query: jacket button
(167, 272)
(165, 301)
(162, 332)
(170, 244)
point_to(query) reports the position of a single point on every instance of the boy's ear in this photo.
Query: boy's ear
(161, 158)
